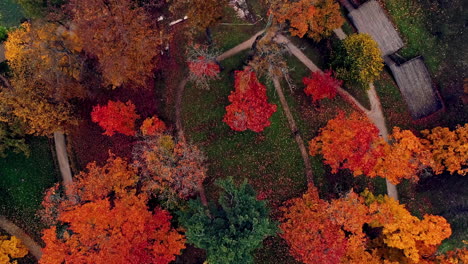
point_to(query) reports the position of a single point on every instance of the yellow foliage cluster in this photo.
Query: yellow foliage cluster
(365, 57)
(45, 76)
(449, 148)
(10, 249)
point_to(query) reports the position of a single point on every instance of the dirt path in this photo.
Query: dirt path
(14, 230)
(375, 114)
(63, 161)
(180, 89)
(294, 130)
(243, 46)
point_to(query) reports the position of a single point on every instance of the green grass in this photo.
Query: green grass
(10, 13)
(410, 19)
(22, 183)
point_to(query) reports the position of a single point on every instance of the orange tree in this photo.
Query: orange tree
(449, 148)
(317, 18)
(249, 108)
(121, 36)
(353, 143)
(359, 229)
(46, 76)
(107, 220)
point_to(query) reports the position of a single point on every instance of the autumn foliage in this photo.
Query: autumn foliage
(317, 18)
(353, 143)
(348, 143)
(170, 166)
(249, 108)
(321, 85)
(46, 74)
(116, 117)
(359, 229)
(449, 148)
(201, 67)
(122, 37)
(10, 249)
(106, 220)
(152, 126)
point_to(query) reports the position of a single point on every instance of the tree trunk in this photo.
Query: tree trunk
(201, 192)
(294, 130)
(64, 165)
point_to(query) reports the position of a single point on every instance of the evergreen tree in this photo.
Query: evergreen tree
(231, 231)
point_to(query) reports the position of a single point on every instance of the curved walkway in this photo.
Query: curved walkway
(375, 114)
(292, 124)
(16, 231)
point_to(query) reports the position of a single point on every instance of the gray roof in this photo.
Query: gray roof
(415, 84)
(371, 19)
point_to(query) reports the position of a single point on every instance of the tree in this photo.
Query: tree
(348, 143)
(317, 18)
(202, 14)
(321, 85)
(46, 68)
(116, 117)
(249, 108)
(359, 229)
(121, 36)
(358, 60)
(11, 248)
(353, 143)
(404, 158)
(449, 148)
(12, 137)
(231, 231)
(202, 66)
(311, 236)
(107, 221)
(152, 126)
(169, 166)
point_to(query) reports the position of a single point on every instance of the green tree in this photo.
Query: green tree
(231, 231)
(358, 60)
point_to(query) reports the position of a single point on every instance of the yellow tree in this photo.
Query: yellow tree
(46, 75)
(11, 249)
(449, 148)
(121, 36)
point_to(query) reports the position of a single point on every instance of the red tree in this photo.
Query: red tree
(249, 108)
(116, 117)
(321, 85)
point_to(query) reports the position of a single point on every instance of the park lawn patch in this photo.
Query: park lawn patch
(11, 13)
(410, 20)
(22, 183)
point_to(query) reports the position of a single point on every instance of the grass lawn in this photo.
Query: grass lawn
(10, 13)
(22, 183)
(410, 20)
